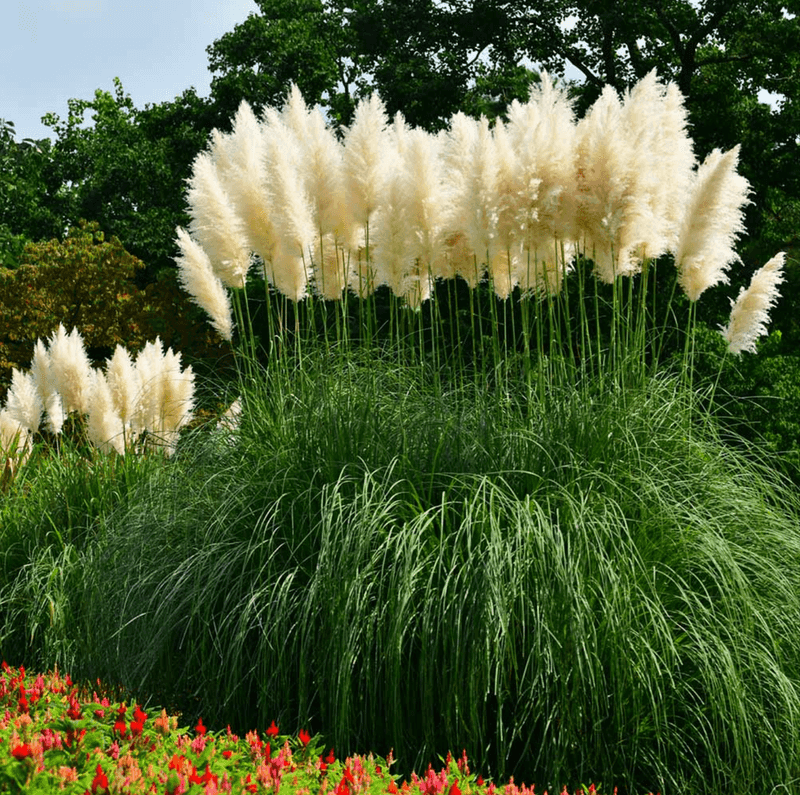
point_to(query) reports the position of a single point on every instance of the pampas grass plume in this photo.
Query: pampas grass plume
(293, 218)
(750, 312)
(196, 275)
(46, 387)
(104, 427)
(241, 163)
(124, 384)
(24, 404)
(216, 225)
(713, 218)
(14, 440)
(71, 370)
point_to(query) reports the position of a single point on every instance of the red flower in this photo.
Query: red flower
(305, 737)
(227, 754)
(100, 781)
(479, 781)
(21, 751)
(272, 731)
(200, 729)
(454, 790)
(120, 726)
(330, 758)
(392, 788)
(74, 710)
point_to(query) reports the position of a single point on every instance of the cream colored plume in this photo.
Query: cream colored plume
(366, 166)
(196, 275)
(240, 161)
(321, 170)
(390, 232)
(167, 396)
(471, 169)
(293, 218)
(71, 370)
(24, 403)
(104, 426)
(14, 439)
(712, 220)
(543, 136)
(426, 201)
(215, 223)
(750, 312)
(45, 384)
(608, 211)
(124, 384)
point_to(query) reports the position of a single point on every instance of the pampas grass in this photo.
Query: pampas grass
(750, 311)
(712, 220)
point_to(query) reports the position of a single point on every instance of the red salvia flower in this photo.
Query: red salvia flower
(272, 731)
(330, 758)
(454, 790)
(74, 710)
(200, 729)
(392, 788)
(305, 737)
(21, 751)
(100, 780)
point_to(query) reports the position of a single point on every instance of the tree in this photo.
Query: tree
(23, 216)
(127, 170)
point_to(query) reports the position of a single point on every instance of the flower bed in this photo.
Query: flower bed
(55, 738)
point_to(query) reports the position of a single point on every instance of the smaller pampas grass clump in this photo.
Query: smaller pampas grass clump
(127, 406)
(750, 311)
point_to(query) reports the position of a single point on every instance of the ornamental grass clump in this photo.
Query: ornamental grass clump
(127, 406)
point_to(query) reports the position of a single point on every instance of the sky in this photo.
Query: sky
(55, 50)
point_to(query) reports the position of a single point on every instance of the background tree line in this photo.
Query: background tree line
(430, 58)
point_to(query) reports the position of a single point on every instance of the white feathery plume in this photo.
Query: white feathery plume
(215, 223)
(543, 135)
(44, 381)
(750, 312)
(642, 236)
(240, 164)
(123, 381)
(426, 203)
(366, 168)
(470, 167)
(177, 401)
(71, 370)
(321, 170)
(23, 402)
(196, 276)
(104, 427)
(605, 200)
(390, 238)
(293, 219)
(675, 162)
(712, 220)
(148, 370)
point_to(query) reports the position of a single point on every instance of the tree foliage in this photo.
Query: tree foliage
(126, 170)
